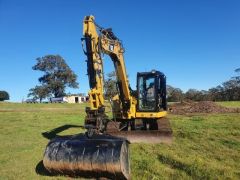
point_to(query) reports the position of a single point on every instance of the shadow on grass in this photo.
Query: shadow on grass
(54, 132)
(41, 170)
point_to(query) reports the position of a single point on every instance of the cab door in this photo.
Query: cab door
(147, 92)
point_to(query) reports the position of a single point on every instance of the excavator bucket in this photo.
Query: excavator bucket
(99, 156)
(161, 134)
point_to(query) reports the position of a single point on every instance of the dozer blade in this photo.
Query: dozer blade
(100, 156)
(163, 133)
(142, 136)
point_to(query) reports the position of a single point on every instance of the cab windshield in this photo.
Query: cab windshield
(146, 93)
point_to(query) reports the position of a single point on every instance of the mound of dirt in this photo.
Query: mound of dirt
(200, 107)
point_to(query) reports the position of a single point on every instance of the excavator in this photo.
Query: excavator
(137, 115)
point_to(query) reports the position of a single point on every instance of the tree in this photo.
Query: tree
(4, 95)
(39, 92)
(110, 85)
(237, 70)
(174, 94)
(228, 91)
(57, 76)
(232, 89)
(196, 95)
(237, 78)
(216, 93)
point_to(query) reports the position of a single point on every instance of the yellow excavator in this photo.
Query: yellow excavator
(137, 116)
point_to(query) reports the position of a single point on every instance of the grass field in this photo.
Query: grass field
(230, 104)
(205, 146)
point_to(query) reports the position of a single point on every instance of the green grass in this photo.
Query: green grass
(230, 104)
(204, 146)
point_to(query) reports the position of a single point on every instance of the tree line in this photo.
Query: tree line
(57, 75)
(227, 91)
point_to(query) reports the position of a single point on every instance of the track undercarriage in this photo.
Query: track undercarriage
(142, 131)
(134, 130)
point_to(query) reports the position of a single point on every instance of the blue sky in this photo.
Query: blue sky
(196, 43)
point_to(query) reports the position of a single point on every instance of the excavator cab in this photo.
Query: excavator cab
(151, 91)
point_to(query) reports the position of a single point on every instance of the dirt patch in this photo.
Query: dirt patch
(187, 107)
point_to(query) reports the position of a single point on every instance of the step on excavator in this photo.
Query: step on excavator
(137, 116)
